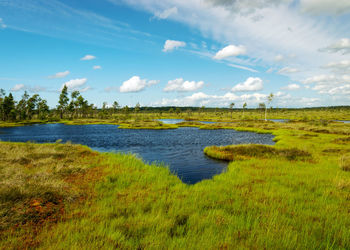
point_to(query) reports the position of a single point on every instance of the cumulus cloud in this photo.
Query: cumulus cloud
(329, 84)
(292, 86)
(166, 13)
(75, 84)
(251, 84)
(343, 46)
(2, 24)
(200, 99)
(88, 58)
(319, 79)
(22, 87)
(341, 90)
(60, 75)
(181, 85)
(341, 67)
(287, 70)
(230, 51)
(136, 84)
(328, 7)
(170, 45)
(96, 67)
(18, 87)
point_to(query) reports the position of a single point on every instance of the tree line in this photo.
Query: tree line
(25, 109)
(74, 105)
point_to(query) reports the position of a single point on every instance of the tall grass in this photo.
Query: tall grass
(266, 201)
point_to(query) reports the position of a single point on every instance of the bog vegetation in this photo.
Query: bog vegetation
(293, 195)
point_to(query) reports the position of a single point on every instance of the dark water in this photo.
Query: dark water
(181, 149)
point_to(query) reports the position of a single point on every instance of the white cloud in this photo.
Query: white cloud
(88, 58)
(288, 70)
(330, 7)
(22, 87)
(59, 75)
(136, 84)
(340, 67)
(2, 24)
(343, 46)
(75, 84)
(230, 51)
(18, 87)
(96, 67)
(183, 86)
(292, 86)
(251, 84)
(341, 90)
(320, 79)
(242, 67)
(298, 38)
(166, 13)
(170, 45)
(200, 99)
(279, 58)
(330, 84)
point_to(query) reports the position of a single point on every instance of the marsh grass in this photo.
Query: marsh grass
(34, 183)
(345, 162)
(146, 124)
(190, 124)
(342, 140)
(281, 200)
(250, 151)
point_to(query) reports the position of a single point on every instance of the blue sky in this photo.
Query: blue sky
(178, 52)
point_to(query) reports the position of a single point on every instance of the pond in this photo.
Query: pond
(279, 120)
(343, 121)
(181, 149)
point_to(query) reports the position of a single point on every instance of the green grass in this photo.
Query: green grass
(294, 195)
(146, 124)
(255, 151)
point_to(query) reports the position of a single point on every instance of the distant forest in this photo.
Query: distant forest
(73, 105)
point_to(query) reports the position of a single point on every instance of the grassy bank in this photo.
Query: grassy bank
(294, 195)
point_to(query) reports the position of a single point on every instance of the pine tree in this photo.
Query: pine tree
(63, 101)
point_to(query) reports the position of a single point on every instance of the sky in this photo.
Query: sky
(178, 52)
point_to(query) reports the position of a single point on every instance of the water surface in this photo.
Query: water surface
(279, 120)
(343, 121)
(181, 149)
